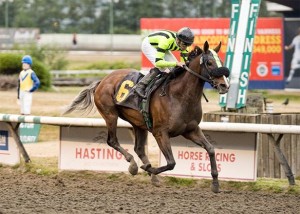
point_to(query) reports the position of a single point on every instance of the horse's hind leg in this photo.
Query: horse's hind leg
(112, 140)
(103, 98)
(139, 148)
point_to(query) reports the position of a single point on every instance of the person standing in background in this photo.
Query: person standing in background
(74, 39)
(28, 82)
(295, 63)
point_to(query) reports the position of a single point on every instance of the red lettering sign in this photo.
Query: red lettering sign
(97, 153)
(189, 155)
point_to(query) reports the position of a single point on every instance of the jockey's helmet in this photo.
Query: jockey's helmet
(27, 59)
(185, 35)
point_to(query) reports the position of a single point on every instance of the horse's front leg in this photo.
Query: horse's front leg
(198, 138)
(163, 141)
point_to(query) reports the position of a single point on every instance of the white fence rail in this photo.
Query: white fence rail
(210, 126)
(269, 129)
(97, 42)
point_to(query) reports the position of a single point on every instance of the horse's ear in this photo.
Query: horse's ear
(217, 49)
(206, 47)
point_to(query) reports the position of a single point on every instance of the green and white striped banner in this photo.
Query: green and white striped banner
(239, 51)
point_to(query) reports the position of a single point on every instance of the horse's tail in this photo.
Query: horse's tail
(84, 101)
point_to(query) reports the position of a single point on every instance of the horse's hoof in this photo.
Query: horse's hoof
(133, 168)
(155, 181)
(215, 187)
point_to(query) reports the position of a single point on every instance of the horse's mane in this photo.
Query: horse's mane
(191, 56)
(194, 53)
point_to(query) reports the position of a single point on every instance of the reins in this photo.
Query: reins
(199, 76)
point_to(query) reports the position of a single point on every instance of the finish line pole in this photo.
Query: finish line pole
(239, 51)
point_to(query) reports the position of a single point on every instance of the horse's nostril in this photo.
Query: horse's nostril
(223, 85)
(223, 88)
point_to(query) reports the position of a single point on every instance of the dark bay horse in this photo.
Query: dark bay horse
(177, 113)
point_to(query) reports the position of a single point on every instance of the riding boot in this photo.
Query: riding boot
(142, 84)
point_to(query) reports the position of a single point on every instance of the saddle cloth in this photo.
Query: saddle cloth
(126, 96)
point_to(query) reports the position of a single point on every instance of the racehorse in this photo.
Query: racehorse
(179, 112)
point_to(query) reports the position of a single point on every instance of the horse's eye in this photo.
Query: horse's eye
(209, 63)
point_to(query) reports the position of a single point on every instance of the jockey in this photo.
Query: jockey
(28, 82)
(157, 48)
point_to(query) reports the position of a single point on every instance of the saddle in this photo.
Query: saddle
(126, 96)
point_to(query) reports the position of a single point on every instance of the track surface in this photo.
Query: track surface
(101, 193)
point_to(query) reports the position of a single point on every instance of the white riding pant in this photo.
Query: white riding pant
(295, 64)
(25, 102)
(150, 52)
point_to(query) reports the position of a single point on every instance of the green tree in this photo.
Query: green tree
(93, 16)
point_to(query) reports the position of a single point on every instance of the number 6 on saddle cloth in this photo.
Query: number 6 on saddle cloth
(126, 96)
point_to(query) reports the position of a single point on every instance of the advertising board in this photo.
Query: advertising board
(266, 69)
(235, 153)
(29, 132)
(85, 148)
(9, 152)
(291, 30)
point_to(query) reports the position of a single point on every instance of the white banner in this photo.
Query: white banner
(85, 148)
(235, 155)
(9, 152)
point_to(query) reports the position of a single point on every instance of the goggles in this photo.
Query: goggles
(185, 44)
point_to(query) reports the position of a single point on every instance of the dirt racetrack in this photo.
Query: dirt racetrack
(87, 192)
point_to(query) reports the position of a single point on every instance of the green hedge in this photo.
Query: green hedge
(10, 64)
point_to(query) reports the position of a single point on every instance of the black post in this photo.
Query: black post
(16, 136)
(282, 160)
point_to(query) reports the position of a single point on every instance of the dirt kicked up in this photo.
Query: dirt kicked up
(25, 192)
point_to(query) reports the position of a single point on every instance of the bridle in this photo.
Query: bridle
(210, 81)
(203, 60)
